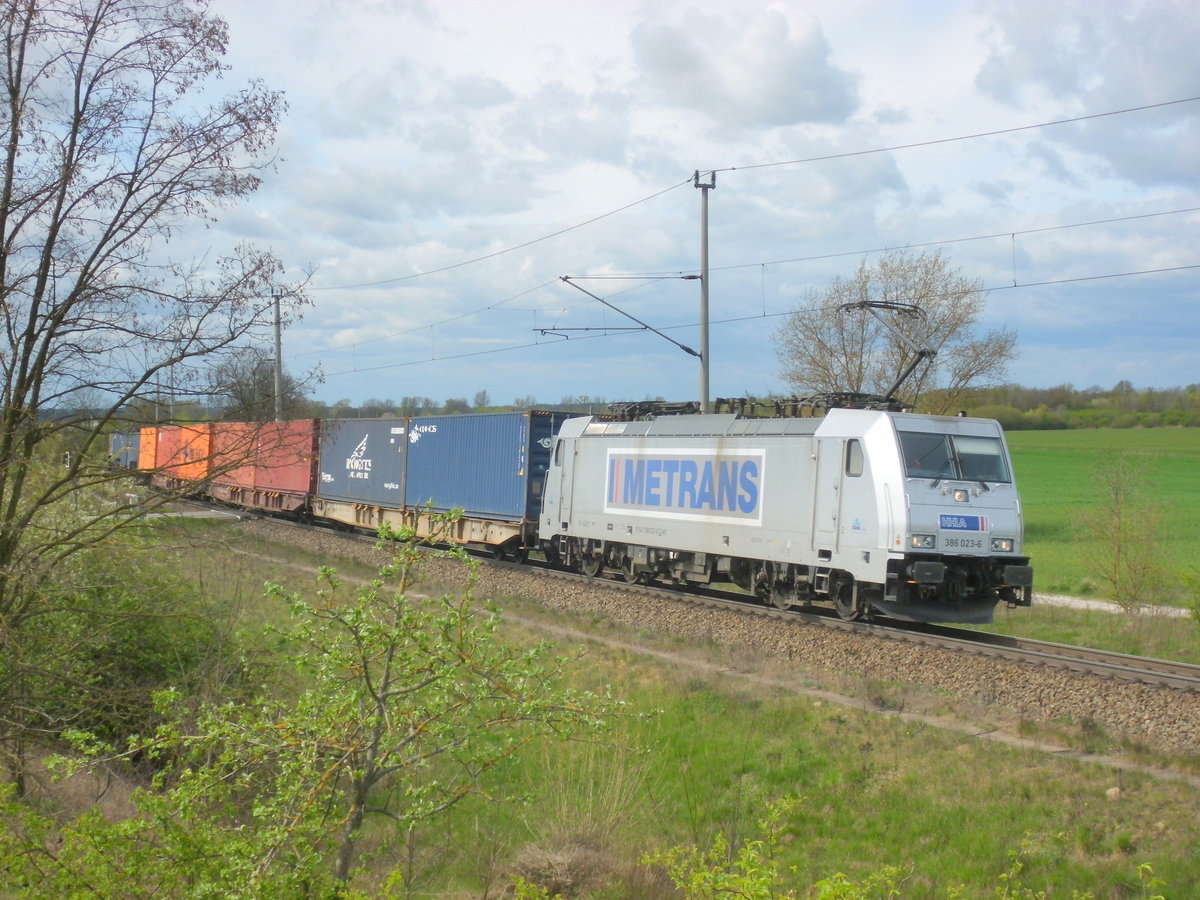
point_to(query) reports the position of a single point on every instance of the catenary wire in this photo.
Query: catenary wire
(493, 255)
(950, 140)
(680, 184)
(935, 243)
(648, 276)
(735, 319)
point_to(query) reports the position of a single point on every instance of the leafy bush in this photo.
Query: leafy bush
(114, 626)
(406, 704)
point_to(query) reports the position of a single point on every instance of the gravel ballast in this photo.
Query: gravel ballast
(1003, 691)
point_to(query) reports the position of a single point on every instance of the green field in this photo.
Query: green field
(1057, 475)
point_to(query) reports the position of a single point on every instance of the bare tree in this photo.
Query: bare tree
(823, 347)
(109, 149)
(243, 383)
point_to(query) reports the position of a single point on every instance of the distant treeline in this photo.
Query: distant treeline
(1015, 407)
(1064, 406)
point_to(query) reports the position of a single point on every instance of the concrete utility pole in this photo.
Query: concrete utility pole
(278, 295)
(704, 189)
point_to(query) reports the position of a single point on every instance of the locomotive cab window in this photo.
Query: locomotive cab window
(854, 458)
(558, 452)
(981, 459)
(961, 457)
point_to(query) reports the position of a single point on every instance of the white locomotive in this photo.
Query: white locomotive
(914, 516)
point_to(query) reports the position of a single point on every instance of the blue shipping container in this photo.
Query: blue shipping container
(362, 460)
(489, 465)
(123, 449)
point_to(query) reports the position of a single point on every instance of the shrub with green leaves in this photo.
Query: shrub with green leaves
(404, 705)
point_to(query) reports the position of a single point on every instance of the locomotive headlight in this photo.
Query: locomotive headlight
(923, 541)
(1002, 545)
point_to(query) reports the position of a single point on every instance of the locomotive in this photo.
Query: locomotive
(913, 516)
(874, 511)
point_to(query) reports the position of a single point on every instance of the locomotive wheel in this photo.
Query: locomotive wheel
(630, 574)
(848, 606)
(590, 564)
(781, 595)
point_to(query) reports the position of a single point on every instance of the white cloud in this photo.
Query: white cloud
(425, 135)
(1093, 56)
(756, 70)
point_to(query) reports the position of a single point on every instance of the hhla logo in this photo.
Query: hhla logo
(356, 462)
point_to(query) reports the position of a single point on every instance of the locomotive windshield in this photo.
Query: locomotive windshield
(956, 456)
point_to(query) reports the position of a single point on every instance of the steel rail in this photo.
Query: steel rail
(1090, 661)
(1103, 664)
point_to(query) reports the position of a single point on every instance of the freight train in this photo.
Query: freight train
(871, 511)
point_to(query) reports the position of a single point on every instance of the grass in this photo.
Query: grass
(1140, 635)
(1056, 474)
(702, 753)
(873, 792)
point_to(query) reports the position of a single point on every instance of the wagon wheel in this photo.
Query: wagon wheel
(849, 606)
(520, 553)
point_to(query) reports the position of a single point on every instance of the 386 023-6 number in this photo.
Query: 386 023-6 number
(962, 543)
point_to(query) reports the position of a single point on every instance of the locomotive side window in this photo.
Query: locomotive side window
(558, 452)
(854, 458)
(961, 457)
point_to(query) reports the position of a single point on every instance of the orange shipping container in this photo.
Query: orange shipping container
(185, 451)
(147, 448)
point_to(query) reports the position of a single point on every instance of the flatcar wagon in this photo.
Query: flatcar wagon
(270, 466)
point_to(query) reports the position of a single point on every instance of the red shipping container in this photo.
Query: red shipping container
(184, 454)
(286, 472)
(234, 448)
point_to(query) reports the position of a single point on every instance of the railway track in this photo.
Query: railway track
(1151, 704)
(1089, 661)
(1101, 664)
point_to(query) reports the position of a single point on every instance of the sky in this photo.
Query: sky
(444, 164)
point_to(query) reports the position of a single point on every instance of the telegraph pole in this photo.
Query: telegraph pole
(704, 189)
